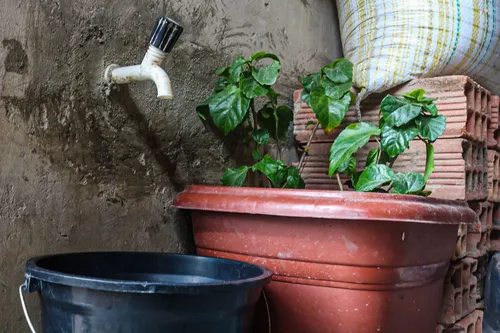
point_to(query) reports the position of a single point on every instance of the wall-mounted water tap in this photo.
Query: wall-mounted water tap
(164, 36)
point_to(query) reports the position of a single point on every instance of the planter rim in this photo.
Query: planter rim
(324, 204)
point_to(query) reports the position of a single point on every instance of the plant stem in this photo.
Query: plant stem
(308, 146)
(278, 143)
(254, 115)
(340, 182)
(379, 150)
(393, 160)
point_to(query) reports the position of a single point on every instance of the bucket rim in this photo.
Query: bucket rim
(36, 274)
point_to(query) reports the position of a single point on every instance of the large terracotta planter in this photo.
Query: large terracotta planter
(343, 261)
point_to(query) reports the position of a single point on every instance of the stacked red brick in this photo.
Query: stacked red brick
(494, 179)
(464, 169)
(461, 162)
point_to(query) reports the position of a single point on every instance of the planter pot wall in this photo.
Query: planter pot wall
(343, 262)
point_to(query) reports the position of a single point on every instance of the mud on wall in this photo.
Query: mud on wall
(82, 171)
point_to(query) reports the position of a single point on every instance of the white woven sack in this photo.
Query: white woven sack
(393, 41)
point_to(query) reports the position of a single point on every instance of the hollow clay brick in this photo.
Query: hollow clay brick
(465, 104)
(480, 274)
(473, 323)
(461, 167)
(484, 211)
(493, 175)
(478, 244)
(460, 291)
(493, 132)
(495, 239)
(461, 245)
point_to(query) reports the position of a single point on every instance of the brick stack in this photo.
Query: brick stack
(461, 157)
(465, 169)
(494, 143)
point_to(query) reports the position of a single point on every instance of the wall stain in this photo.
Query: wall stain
(17, 59)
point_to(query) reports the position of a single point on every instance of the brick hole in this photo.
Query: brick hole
(489, 216)
(475, 181)
(496, 215)
(495, 189)
(496, 166)
(483, 216)
(458, 304)
(495, 235)
(461, 244)
(465, 301)
(483, 241)
(456, 278)
(468, 181)
(471, 119)
(471, 328)
(478, 102)
(478, 127)
(480, 157)
(485, 159)
(479, 325)
(467, 154)
(474, 157)
(470, 94)
(483, 179)
(485, 183)
(486, 125)
(473, 291)
(484, 101)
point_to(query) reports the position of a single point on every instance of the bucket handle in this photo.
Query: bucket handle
(25, 310)
(268, 311)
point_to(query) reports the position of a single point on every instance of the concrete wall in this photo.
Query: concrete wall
(80, 171)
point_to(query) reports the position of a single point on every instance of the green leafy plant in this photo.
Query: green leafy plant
(401, 119)
(244, 99)
(328, 93)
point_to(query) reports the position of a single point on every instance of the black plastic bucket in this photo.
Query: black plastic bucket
(129, 292)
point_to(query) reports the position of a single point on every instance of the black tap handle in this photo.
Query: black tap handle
(165, 34)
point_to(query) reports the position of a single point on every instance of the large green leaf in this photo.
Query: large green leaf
(235, 177)
(311, 81)
(222, 83)
(267, 120)
(339, 71)
(432, 109)
(374, 176)
(417, 95)
(335, 90)
(293, 179)
(408, 183)
(305, 97)
(252, 88)
(228, 108)
(224, 71)
(262, 55)
(348, 167)
(395, 140)
(261, 136)
(372, 156)
(429, 161)
(348, 142)
(398, 111)
(431, 127)
(236, 68)
(267, 75)
(256, 153)
(329, 112)
(275, 170)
